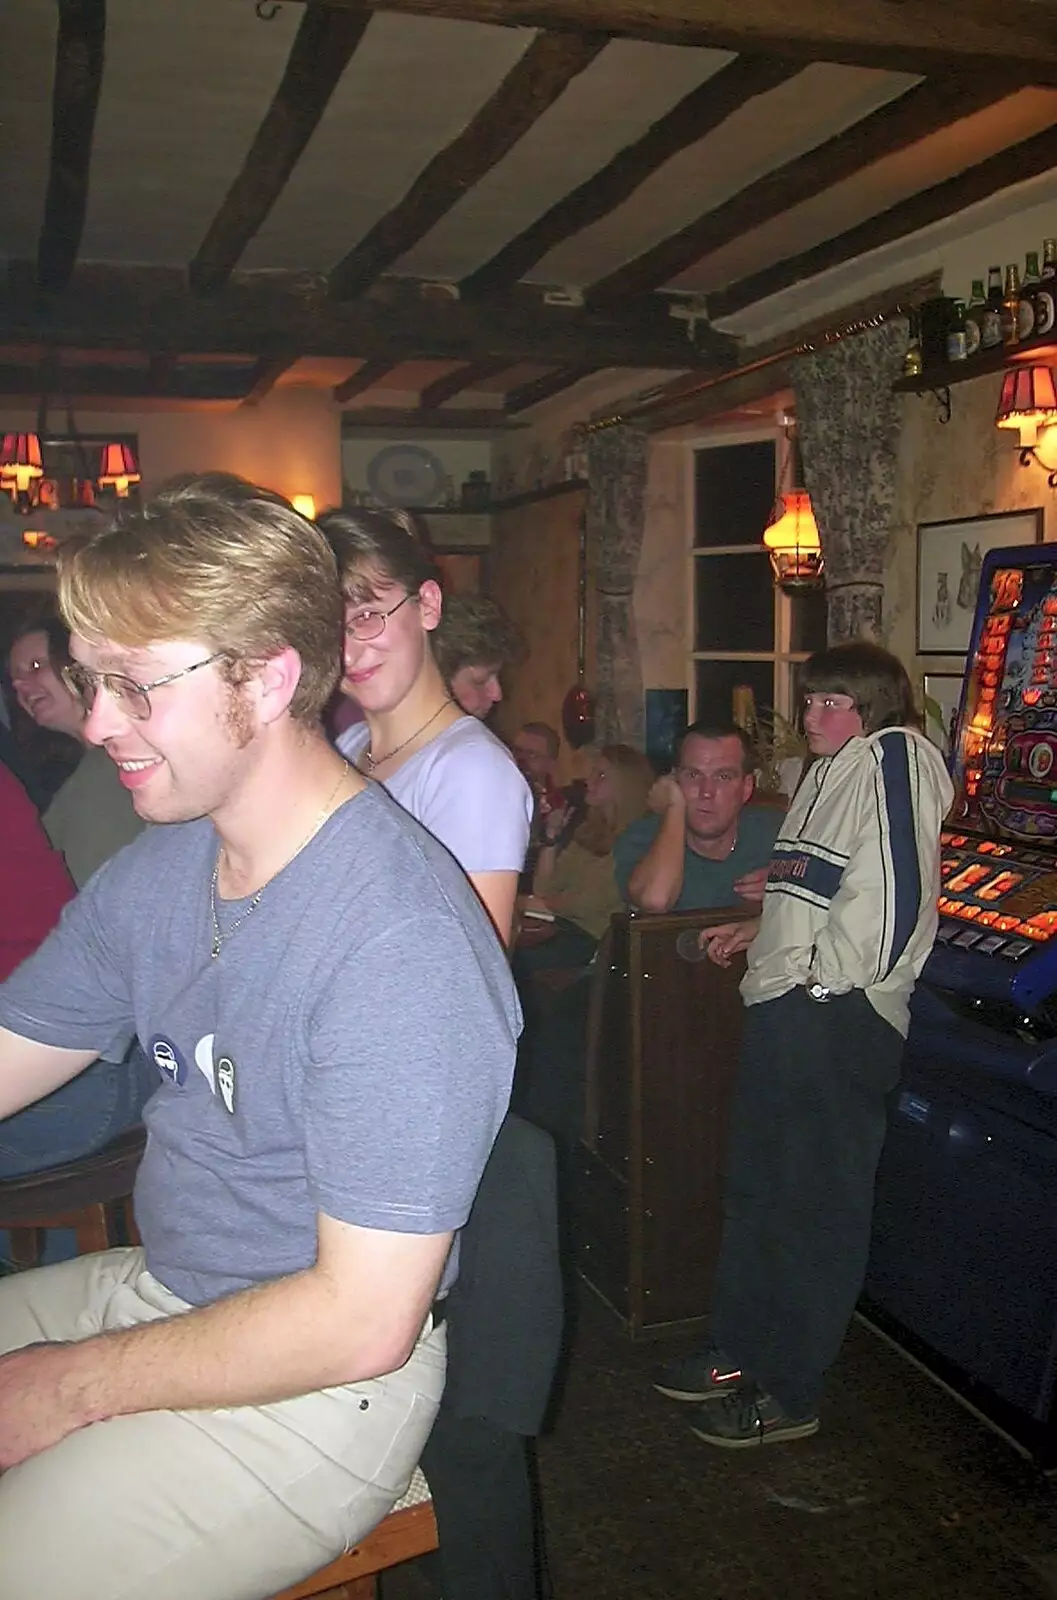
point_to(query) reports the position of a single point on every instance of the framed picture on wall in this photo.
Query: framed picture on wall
(950, 555)
(943, 693)
(666, 719)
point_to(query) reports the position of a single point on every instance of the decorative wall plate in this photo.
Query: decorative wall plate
(406, 475)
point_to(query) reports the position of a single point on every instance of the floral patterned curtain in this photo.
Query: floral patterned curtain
(848, 423)
(616, 516)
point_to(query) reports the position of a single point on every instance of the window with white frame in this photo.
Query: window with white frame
(744, 631)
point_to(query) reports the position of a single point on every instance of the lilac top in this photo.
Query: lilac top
(465, 788)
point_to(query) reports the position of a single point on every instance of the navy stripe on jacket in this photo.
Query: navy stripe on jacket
(902, 843)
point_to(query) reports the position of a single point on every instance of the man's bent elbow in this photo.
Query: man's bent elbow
(652, 900)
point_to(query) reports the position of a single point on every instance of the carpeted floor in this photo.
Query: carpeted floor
(901, 1496)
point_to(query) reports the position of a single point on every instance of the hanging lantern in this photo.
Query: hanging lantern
(118, 469)
(20, 462)
(793, 544)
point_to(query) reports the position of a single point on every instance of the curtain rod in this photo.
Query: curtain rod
(656, 399)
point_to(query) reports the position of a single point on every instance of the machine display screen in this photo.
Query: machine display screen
(998, 892)
(1005, 743)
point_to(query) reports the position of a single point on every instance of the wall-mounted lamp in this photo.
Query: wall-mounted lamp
(304, 505)
(793, 544)
(20, 463)
(1027, 403)
(118, 469)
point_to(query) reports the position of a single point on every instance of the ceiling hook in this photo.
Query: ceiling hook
(267, 10)
(942, 398)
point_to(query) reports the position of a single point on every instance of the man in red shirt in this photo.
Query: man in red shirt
(34, 883)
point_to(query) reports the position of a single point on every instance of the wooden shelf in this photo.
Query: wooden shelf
(451, 511)
(508, 503)
(1043, 350)
(548, 492)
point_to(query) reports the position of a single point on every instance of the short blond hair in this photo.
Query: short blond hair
(215, 558)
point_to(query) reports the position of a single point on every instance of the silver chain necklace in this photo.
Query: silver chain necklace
(220, 937)
(379, 761)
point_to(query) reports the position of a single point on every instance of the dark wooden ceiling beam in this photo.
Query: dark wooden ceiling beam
(159, 371)
(265, 376)
(367, 374)
(697, 114)
(910, 36)
(79, 51)
(472, 376)
(1015, 165)
(893, 127)
(222, 384)
(325, 43)
(540, 389)
(269, 314)
(542, 74)
(392, 419)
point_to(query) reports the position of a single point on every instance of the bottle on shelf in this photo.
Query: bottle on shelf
(1046, 293)
(1028, 290)
(957, 343)
(1011, 303)
(974, 319)
(912, 362)
(991, 324)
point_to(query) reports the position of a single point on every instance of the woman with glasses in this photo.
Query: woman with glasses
(91, 817)
(441, 765)
(89, 820)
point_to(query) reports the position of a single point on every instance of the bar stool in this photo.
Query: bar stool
(408, 1531)
(93, 1196)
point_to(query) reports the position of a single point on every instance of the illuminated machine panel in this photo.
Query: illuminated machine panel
(998, 901)
(1005, 760)
(963, 1258)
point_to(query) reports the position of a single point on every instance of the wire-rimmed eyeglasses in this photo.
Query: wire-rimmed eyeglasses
(364, 624)
(131, 697)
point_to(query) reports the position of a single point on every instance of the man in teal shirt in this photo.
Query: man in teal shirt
(705, 846)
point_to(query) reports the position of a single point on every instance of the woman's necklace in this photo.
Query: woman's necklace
(220, 938)
(379, 761)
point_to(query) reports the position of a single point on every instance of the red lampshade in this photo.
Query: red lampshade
(20, 461)
(118, 468)
(1028, 401)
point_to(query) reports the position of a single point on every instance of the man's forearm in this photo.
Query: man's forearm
(29, 1071)
(656, 882)
(286, 1338)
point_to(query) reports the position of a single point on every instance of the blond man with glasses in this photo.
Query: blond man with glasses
(227, 1408)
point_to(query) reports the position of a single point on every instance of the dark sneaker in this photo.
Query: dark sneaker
(705, 1374)
(749, 1417)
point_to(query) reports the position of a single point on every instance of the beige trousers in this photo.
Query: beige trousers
(196, 1505)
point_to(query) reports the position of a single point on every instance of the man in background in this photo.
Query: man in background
(704, 846)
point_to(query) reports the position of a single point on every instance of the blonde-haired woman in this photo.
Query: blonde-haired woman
(576, 884)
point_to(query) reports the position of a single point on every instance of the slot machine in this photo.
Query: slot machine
(963, 1261)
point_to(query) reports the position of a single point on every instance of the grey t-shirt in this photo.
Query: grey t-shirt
(350, 1051)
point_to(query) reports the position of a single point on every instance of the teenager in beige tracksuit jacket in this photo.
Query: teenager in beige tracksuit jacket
(848, 920)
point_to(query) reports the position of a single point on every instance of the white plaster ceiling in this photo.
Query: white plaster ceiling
(188, 82)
